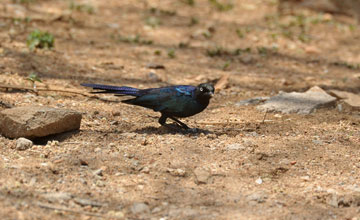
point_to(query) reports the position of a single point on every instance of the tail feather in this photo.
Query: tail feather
(122, 90)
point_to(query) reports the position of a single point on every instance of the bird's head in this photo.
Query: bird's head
(205, 91)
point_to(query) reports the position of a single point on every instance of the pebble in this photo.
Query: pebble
(176, 172)
(87, 202)
(258, 197)
(98, 172)
(23, 144)
(139, 208)
(259, 181)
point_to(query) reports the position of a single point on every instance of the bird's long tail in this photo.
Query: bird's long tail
(120, 90)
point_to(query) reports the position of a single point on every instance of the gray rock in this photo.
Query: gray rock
(301, 103)
(202, 176)
(37, 121)
(23, 144)
(252, 101)
(139, 208)
(87, 202)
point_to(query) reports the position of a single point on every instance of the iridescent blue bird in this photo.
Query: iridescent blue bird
(172, 102)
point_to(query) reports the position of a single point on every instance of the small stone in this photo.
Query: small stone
(235, 147)
(23, 144)
(87, 202)
(258, 197)
(117, 214)
(98, 172)
(202, 176)
(139, 208)
(116, 113)
(112, 145)
(176, 172)
(259, 181)
(293, 162)
(351, 99)
(156, 210)
(305, 178)
(145, 170)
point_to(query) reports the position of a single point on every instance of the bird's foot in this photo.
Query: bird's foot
(192, 130)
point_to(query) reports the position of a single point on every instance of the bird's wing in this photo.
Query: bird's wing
(160, 99)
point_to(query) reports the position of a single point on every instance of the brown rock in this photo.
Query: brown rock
(37, 121)
(202, 175)
(351, 99)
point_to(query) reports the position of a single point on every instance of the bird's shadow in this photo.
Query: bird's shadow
(171, 129)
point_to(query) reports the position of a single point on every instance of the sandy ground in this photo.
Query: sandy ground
(122, 164)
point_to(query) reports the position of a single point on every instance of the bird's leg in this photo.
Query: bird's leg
(162, 119)
(183, 125)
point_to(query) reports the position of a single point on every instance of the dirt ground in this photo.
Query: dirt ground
(122, 164)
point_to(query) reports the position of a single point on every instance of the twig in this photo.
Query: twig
(42, 89)
(46, 206)
(222, 82)
(31, 89)
(263, 121)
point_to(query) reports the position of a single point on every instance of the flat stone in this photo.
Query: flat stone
(202, 176)
(351, 99)
(301, 103)
(23, 144)
(37, 121)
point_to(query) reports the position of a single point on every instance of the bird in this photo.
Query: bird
(172, 102)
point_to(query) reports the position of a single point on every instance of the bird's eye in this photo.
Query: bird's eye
(201, 89)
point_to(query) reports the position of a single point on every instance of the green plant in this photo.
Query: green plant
(73, 6)
(33, 78)
(157, 52)
(242, 31)
(137, 39)
(171, 53)
(226, 65)
(153, 21)
(221, 6)
(189, 2)
(39, 39)
(193, 21)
